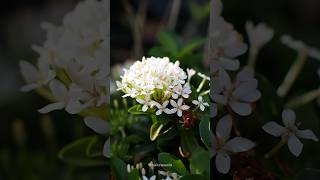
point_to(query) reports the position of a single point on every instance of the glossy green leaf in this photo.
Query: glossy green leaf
(188, 142)
(155, 130)
(172, 163)
(204, 130)
(200, 162)
(119, 168)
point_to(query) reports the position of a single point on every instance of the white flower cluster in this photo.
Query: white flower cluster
(72, 63)
(237, 95)
(156, 82)
(165, 175)
(72, 66)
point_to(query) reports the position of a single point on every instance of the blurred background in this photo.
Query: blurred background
(29, 141)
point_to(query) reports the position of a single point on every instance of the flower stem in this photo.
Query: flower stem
(253, 57)
(292, 75)
(275, 149)
(201, 85)
(304, 99)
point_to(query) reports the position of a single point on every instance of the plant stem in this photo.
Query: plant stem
(201, 85)
(253, 53)
(174, 13)
(292, 75)
(275, 149)
(304, 99)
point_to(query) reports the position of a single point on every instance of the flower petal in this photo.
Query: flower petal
(51, 107)
(106, 149)
(98, 125)
(288, 117)
(273, 128)
(223, 162)
(74, 107)
(58, 89)
(295, 145)
(239, 144)
(224, 126)
(306, 134)
(243, 109)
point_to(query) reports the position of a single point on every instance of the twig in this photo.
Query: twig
(174, 13)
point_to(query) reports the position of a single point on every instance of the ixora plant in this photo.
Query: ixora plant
(245, 106)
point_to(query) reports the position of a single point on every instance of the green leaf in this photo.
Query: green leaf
(188, 142)
(158, 52)
(200, 162)
(204, 130)
(172, 163)
(155, 130)
(189, 48)
(194, 177)
(137, 110)
(168, 41)
(95, 146)
(134, 175)
(76, 154)
(119, 168)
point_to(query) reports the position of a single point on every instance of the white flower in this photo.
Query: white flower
(169, 176)
(300, 46)
(203, 76)
(68, 99)
(290, 132)
(100, 126)
(222, 146)
(259, 35)
(190, 72)
(213, 110)
(151, 178)
(200, 103)
(240, 94)
(162, 108)
(146, 103)
(178, 107)
(36, 78)
(181, 91)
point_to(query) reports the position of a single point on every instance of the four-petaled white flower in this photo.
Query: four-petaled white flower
(178, 107)
(36, 78)
(162, 108)
(201, 103)
(151, 178)
(259, 35)
(100, 126)
(290, 132)
(169, 176)
(146, 103)
(190, 73)
(222, 146)
(183, 91)
(240, 94)
(68, 99)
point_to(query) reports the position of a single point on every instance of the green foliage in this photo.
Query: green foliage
(119, 168)
(171, 46)
(77, 153)
(204, 130)
(174, 163)
(200, 162)
(188, 141)
(155, 130)
(134, 175)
